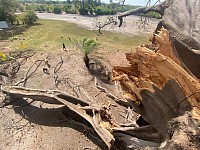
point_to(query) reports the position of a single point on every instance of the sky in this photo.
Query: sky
(133, 2)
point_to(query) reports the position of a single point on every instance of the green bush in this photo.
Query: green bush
(11, 19)
(49, 8)
(104, 11)
(57, 9)
(29, 18)
(83, 11)
(40, 8)
(67, 8)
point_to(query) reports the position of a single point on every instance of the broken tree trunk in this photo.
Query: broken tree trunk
(157, 86)
(182, 19)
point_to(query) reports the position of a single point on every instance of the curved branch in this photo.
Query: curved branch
(76, 105)
(156, 8)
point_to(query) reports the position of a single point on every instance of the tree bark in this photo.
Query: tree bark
(157, 86)
(182, 19)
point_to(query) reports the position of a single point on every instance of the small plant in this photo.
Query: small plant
(88, 48)
(2, 57)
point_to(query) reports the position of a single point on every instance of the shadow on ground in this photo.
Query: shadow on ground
(56, 117)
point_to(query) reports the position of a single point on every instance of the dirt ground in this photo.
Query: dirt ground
(31, 124)
(27, 124)
(132, 25)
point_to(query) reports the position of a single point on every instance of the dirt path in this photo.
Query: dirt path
(131, 26)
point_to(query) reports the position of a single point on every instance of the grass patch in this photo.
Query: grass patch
(46, 35)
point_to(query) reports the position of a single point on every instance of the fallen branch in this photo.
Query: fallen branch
(147, 133)
(144, 10)
(56, 69)
(109, 21)
(3, 74)
(79, 106)
(28, 73)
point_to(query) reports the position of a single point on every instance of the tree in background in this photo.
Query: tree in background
(57, 9)
(76, 4)
(67, 8)
(7, 9)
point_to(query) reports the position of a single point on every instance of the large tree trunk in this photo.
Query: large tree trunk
(182, 19)
(159, 88)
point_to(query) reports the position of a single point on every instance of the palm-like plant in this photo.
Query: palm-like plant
(87, 47)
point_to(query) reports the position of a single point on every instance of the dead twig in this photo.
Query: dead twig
(56, 69)
(28, 73)
(113, 97)
(109, 21)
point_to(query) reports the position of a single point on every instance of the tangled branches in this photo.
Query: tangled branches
(11, 65)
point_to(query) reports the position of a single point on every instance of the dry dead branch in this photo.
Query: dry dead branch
(99, 121)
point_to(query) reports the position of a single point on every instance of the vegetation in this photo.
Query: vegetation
(29, 18)
(83, 7)
(2, 57)
(57, 9)
(46, 35)
(87, 47)
(7, 9)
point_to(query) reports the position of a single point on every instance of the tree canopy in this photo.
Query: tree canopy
(7, 9)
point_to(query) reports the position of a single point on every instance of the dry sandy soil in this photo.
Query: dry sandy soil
(25, 126)
(37, 125)
(132, 24)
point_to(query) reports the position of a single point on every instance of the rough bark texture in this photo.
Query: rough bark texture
(182, 19)
(160, 85)
(157, 86)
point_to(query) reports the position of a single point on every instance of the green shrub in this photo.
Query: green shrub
(40, 8)
(11, 19)
(67, 8)
(29, 18)
(83, 11)
(104, 11)
(57, 9)
(88, 48)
